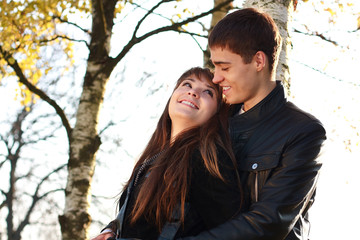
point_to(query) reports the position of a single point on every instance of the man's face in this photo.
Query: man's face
(241, 82)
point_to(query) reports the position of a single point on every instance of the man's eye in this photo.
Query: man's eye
(224, 69)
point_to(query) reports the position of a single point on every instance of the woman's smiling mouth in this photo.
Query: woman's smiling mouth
(189, 104)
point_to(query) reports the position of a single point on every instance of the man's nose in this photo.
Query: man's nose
(218, 78)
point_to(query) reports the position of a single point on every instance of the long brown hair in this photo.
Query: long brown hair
(168, 183)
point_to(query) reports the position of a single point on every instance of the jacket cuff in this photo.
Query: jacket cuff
(112, 226)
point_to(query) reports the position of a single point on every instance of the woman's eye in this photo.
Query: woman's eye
(209, 92)
(225, 69)
(187, 84)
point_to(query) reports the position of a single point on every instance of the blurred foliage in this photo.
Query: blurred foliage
(337, 9)
(29, 28)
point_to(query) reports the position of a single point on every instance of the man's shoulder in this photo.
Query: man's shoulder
(293, 118)
(294, 111)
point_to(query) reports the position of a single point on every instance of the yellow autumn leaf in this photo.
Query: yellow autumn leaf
(330, 11)
(36, 76)
(341, 7)
(11, 60)
(47, 70)
(119, 7)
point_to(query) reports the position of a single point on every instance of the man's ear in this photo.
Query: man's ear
(260, 60)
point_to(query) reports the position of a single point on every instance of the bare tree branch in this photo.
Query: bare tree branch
(158, 14)
(110, 124)
(2, 163)
(317, 34)
(147, 14)
(192, 35)
(3, 204)
(174, 27)
(14, 64)
(36, 198)
(65, 37)
(87, 31)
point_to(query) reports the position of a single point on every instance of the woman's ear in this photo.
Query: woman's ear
(260, 60)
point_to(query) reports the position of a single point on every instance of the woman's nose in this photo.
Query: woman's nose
(193, 92)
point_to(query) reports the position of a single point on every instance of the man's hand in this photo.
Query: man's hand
(105, 236)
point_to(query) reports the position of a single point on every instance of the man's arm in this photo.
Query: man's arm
(284, 196)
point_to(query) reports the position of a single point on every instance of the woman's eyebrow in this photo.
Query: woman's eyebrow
(209, 86)
(190, 79)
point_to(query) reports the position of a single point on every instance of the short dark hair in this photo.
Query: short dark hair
(245, 32)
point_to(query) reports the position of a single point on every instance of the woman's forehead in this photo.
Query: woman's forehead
(200, 77)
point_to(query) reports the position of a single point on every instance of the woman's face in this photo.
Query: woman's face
(193, 103)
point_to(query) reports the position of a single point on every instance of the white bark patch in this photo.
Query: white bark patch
(88, 115)
(93, 67)
(75, 199)
(281, 12)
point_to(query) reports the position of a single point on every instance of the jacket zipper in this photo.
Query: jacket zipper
(256, 187)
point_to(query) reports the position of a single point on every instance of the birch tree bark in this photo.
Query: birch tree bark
(215, 18)
(281, 11)
(85, 141)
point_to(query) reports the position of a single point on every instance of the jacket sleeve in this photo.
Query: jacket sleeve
(112, 225)
(284, 196)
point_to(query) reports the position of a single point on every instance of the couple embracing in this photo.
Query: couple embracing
(239, 167)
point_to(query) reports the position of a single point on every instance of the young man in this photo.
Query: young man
(276, 144)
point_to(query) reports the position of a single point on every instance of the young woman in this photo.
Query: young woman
(186, 176)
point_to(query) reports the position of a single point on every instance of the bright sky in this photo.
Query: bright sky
(331, 96)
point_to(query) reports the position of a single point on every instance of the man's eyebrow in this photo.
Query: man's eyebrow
(219, 62)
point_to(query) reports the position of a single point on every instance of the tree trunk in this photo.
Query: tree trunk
(85, 141)
(215, 18)
(281, 11)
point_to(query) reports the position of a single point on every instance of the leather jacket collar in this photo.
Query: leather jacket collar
(261, 111)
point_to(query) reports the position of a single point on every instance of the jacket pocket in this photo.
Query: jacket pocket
(261, 162)
(258, 168)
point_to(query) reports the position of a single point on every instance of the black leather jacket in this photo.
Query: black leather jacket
(279, 170)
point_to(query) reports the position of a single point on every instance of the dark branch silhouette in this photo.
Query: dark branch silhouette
(174, 27)
(87, 31)
(317, 34)
(14, 64)
(64, 37)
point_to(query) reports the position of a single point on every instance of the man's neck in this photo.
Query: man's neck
(263, 92)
